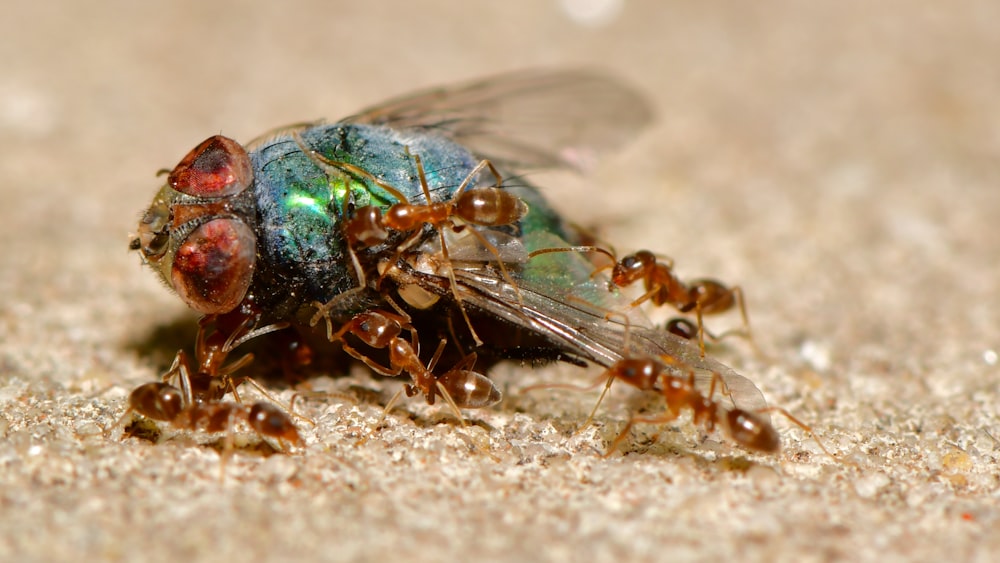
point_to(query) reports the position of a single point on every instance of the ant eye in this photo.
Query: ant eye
(212, 270)
(218, 167)
(633, 262)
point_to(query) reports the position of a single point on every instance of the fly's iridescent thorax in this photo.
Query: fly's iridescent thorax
(303, 191)
(198, 234)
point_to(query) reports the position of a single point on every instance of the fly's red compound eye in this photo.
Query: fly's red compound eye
(218, 167)
(212, 270)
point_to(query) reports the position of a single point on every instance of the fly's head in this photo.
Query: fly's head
(195, 233)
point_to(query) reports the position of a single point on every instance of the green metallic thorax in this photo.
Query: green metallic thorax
(301, 198)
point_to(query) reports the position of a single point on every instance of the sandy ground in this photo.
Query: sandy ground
(838, 160)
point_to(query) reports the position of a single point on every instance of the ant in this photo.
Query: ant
(478, 206)
(704, 296)
(460, 387)
(749, 429)
(160, 401)
(661, 374)
(196, 404)
(746, 428)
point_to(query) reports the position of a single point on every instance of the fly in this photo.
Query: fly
(402, 228)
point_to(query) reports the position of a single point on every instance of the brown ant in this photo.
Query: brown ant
(659, 374)
(196, 404)
(746, 428)
(163, 402)
(648, 373)
(479, 206)
(460, 386)
(485, 207)
(703, 296)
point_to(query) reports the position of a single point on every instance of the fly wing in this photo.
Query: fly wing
(557, 297)
(586, 332)
(528, 119)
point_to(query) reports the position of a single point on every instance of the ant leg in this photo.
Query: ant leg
(385, 412)
(179, 369)
(603, 378)
(441, 390)
(437, 353)
(465, 181)
(646, 297)
(741, 303)
(444, 244)
(228, 444)
(342, 169)
(662, 419)
(392, 403)
(476, 391)
(323, 310)
(226, 372)
(454, 290)
(701, 331)
(590, 417)
(806, 428)
(372, 364)
(711, 297)
(290, 410)
(503, 269)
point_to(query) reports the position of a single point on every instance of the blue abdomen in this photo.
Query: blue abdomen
(300, 200)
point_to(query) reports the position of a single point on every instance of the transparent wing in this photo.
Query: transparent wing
(588, 334)
(528, 119)
(556, 297)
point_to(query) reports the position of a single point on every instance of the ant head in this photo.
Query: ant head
(641, 373)
(157, 401)
(632, 268)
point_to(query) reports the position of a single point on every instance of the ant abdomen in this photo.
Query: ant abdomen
(470, 389)
(268, 420)
(490, 207)
(751, 431)
(682, 328)
(712, 297)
